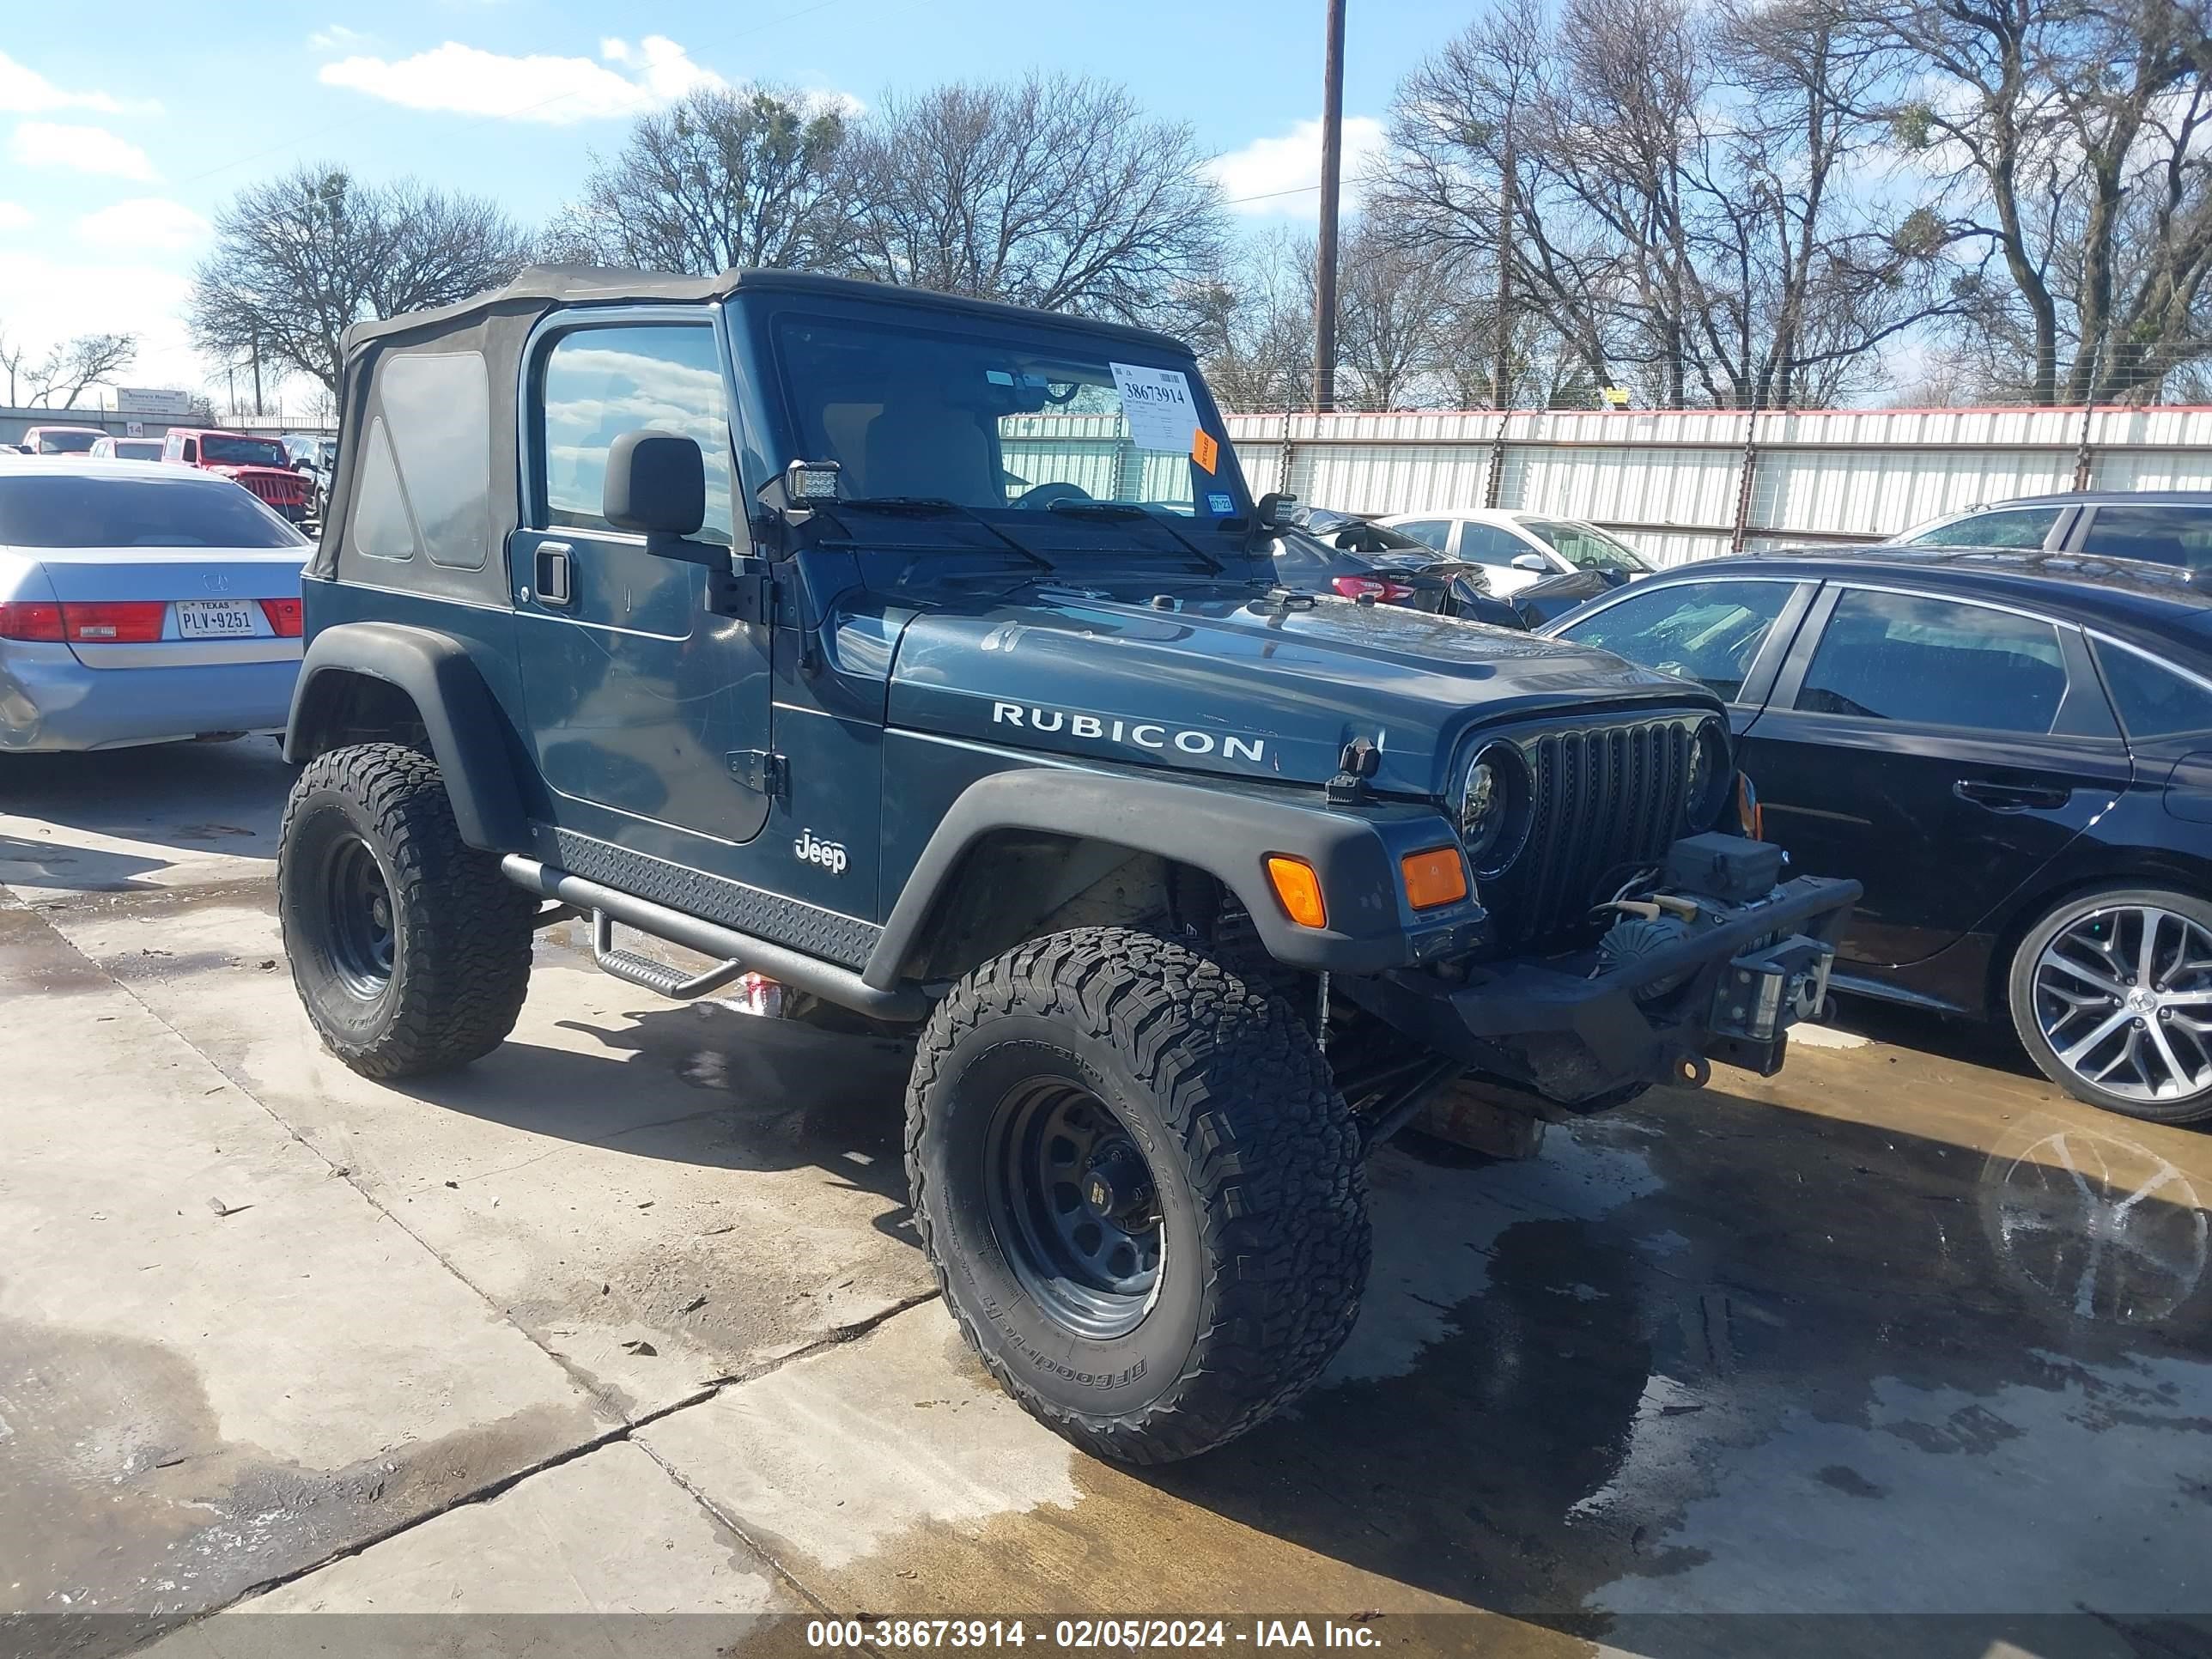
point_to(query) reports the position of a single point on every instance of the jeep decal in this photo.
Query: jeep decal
(1140, 734)
(829, 855)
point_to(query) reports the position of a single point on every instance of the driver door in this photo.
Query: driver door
(645, 708)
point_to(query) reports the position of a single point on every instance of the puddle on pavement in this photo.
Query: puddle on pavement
(36, 960)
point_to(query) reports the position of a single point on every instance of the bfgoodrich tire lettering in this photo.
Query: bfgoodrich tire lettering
(1260, 1192)
(411, 951)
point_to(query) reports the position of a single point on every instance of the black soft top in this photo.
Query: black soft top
(538, 289)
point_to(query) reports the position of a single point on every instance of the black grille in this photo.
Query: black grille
(1606, 798)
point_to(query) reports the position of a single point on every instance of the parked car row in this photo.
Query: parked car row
(291, 474)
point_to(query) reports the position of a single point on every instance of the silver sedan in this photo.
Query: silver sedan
(141, 605)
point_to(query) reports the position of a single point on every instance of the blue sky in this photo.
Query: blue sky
(123, 128)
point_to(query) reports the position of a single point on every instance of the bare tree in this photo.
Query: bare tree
(300, 258)
(2068, 138)
(1403, 309)
(725, 178)
(1659, 183)
(1251, 321)
(67, 371)
(1056, 192)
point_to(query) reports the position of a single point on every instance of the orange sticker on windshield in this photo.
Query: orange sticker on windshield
(1204, 449)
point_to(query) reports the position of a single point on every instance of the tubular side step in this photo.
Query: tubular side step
(656, 977)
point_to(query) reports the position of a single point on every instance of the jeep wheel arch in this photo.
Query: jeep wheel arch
(460, 719)
(1225, 835)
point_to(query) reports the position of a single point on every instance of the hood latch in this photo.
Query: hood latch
(1355, 764)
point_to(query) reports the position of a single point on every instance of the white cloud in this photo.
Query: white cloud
(468, 81)
(337, 37)
(14, 215)
(85, 149)
(144, 222)
(24, 91)
(1282, 174)
(47, 300)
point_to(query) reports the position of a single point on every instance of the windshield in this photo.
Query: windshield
(996, 422)
(169, 509)
(67, 443)
(223, 450)
(138, 449)
(1585, 546)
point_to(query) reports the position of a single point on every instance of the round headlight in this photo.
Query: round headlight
(1705, 793)
(1493, 808)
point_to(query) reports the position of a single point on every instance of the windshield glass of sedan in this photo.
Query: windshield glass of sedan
(222, 451)
(990, 422)
(185, 511)
(1585, 546)
(67, 443)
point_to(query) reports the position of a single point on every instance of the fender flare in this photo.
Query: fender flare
(1227, 834)
(465, 725)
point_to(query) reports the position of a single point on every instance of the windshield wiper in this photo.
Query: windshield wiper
(1126, 510)
(943, 507)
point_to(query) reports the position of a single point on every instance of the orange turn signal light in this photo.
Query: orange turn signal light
(1298, 889)
(1436, 877)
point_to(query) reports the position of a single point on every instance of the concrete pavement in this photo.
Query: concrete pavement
(623, 1332)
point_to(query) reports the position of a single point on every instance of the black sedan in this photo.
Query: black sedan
(2012, 751)
(1356, 559)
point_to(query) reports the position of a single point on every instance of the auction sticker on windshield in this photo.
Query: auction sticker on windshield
(1157, 402)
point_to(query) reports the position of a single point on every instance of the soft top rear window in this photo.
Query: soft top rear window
(183, 512)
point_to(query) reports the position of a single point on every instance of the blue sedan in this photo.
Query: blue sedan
(141, 604)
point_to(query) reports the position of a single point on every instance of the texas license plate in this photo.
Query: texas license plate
(206, 619)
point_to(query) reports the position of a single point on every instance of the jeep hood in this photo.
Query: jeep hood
(1220, 684)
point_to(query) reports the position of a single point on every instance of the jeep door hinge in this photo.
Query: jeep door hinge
(760, 771)
(749, 596)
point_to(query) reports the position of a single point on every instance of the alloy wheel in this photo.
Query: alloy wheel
(2124, 997)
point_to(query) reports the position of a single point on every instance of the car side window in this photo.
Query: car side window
(1708, 632)
(1932, 662)
(1429, 532)
(2162, 533)
(190, 452)
(2008, 527)
(596, 384)
(1486, 544)
(2152, 700)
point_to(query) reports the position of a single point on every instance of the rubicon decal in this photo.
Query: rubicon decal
(1134, 734)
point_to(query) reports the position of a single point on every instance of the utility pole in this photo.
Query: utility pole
(1331, 165)
(1501, 373)
(257, 374)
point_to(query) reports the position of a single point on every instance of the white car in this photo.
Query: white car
(1519, 548)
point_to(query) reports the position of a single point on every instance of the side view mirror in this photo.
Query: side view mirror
(1531, 561)
(656, 486)
(1275, 510)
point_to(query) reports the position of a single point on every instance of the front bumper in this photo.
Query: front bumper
(50, 701)
(1577, 1036)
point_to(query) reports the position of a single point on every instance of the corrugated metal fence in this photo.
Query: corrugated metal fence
(1685, 484)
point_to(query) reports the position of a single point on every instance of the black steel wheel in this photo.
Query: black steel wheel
(358, 903)
(1140, 1191)
(1074, 1206)
(409, 950)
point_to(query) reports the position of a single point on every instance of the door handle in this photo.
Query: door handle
(2010, 797)
(553, 573)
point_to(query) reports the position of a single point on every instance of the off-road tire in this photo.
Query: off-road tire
(460, 931)
(2020, 988)
(1254, 1156)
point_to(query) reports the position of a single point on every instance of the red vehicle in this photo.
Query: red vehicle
(259, 463)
